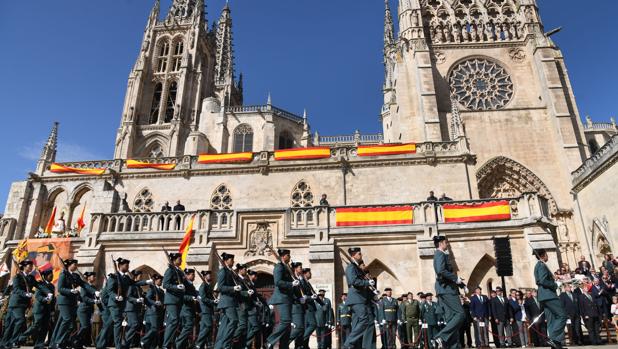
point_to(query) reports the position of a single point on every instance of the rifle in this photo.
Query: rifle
(119, 290)
(236, 276)
(289, 269)
(171, 263)
(365, 276)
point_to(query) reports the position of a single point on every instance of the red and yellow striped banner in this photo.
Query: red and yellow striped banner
(303, 153)
(142, 164)
(477, 212)
(386, 149)
(225, 158)
(388, 215)
(57, 168)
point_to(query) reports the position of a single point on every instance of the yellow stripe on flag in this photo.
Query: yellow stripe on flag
(386, 215)
(488, 211)
(185, 244)
(142, 164)
(57, 168)
(386, 149)
(225, 158)
(302, 153)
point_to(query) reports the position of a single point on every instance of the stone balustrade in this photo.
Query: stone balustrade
(268, 108)
(353, 139)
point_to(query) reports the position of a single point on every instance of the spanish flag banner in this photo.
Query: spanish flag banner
(386, 149)
(225, 158)
(387, 215)
(57, 168)
(186, 242)
(302, 153)
(50, 223)
(477, 212)
(141, 164)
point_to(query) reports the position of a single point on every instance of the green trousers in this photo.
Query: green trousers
(204, 340)
(154, 321)
(556, 319)
(229, 322)
(454, 317)
(38, 330)
(65, 325)
(281, 333)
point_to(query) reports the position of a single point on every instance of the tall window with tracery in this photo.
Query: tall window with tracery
(243, 138)
(156, 104)
(302, 196)
(171, 102)
(221, 199)
(177, 58)
(164, 52)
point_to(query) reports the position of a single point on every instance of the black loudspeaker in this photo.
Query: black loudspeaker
(504, 258)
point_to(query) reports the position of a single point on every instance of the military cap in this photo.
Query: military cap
(322, 291)
(282, 252)
(205, 272)
(344, 294)
(306, 270)
(69, 262)
(437, 239)
(157, 277)
(226, 256)
(428, 294)
(354, 250)
(252, 272)
(388, 289)
(46, 272)
(89, 274)
(174, 256)
(189, 271)
(122, 261)
(136, 272)
(25, 262)
(296, 265)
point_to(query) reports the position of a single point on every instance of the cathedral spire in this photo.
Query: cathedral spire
(224, 69)
(154, 14)
(182, 9)
(389, 27)
(48, 155)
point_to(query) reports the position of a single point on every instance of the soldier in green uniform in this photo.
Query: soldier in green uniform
(360, 298)
(20, 299)
(107, 325)
(133, 310)
(282, 298)
(208, 303)
(323, 319)
(550, 303)
(69, 283)
(118, 288)
(447, 289)
(88, 299)
(411, 315)
(174, 285)
(428, 314)
(254, 308)
(401, 328)
(311, 309)
(244, 303)
(41, 312)
(390, 317)
(344, 319)
(189, 310)
(228, 302)
(299, 306)
(154, 313)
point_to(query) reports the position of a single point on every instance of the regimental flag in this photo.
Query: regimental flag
(50, 223)
(80, 221)
(20, 253)
(141, 164)
(302, 153)
(57, 168)
(477, 212)
(385, 215)
(186, 242)
(386, 149)
(225, 158)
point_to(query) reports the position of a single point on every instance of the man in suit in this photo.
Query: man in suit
(479, 308)
(344, 319)
(154, 313)
(208, 303)
(179, 207)
(174, 285)
(502, 317)
(360, 295)
(228, 302)
(555, 315)
(41, 312)
(88, 300)
(282, 299)
(589, 311)
(570, 304)
(600, 292)
(166, 207)
(447, 289)
(533, 310)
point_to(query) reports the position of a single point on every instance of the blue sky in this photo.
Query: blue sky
(69, 61)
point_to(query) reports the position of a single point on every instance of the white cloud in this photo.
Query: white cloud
(66, 152)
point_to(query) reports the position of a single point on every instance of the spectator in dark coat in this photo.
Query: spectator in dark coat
(589, 311)
(465, 333)
(479, 308)
(584, 266)
(533, 310)
(432, 197)
(179, 207)
(570, 304)
(502, 317)
(599, 296)
(166, 207)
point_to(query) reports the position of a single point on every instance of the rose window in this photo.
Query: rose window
(480, 84)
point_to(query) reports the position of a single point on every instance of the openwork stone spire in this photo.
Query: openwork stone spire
(389, 27)
(456, 123)
(224, 69)
(182, 9)
(51, 146)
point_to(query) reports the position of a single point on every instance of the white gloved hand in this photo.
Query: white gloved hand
(158, 304)
(383, 322)
(295, 283)
(74, 291)
(195, 299)
(398, 322)
(237, 288)
(314, 296)
(119, 298)
(124, 324)
(271, 307)
(97, 301)
(149, 282)
(251, 292)
(372, 283)
(97, 294)
(140, 300)
(50, 295)
(181, 287)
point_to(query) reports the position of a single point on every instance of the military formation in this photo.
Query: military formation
(228, 312)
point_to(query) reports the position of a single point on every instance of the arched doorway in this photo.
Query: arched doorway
(265, 284)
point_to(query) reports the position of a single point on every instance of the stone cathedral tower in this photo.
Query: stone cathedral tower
(485, 70)
(181, 62)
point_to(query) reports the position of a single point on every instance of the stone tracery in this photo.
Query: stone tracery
(481, 84)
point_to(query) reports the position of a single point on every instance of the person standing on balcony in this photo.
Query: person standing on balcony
(554, 313)
(432, 197)
(179, 207)
(324, 200)
(166, 207)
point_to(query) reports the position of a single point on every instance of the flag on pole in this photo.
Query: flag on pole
(80, 220)
(21, 251)
(186, 242)
(50, 223)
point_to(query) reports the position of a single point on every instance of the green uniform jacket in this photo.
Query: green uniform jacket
(411, 310)
(207, 299)
(284, 291)
(135, 292)
(358, 286)
(118, 285)
(428, 313)
(227, 296)
(344, 314)
(323, 312)
(67, 281)
(189, 304)
(154, 295)
(22, 284)
(390, 309)
(171, 279)
(446, 279)
(87, 299)
(41, 306)
(545, 280)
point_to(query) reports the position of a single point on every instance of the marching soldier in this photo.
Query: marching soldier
(390, 317)
(554, 313)
(282, 298)
(174, 285)
(244, 302)
(69, 283)
(344, 319)
(447, 289)
(154, 313)
(228, 302)
(21, 297)
(88, 299)
(44, 306)
(257, 302)
(208, 303)
(428, 314)
(360, 297)
(133, 310)
(188, 312)
(311, 309)
(298, 307)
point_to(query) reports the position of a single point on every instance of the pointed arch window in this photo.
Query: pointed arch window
(171, 102)
(156, 104)
(164, 52)
(302, 196)
(177, 58)
(243, 138)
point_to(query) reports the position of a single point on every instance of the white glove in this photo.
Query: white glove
(124, 324)
(195, 299)
(97, 294)
(237, 288)
(140, 300)
(119, 298)
(420, 322)
(149, 282)
(372, 283)
(398, 322)
(74, 291)
(97, 301)
(295, 283)
(460, 281)
(50, 295)
(383, 322)
(251, 292)
(314, 296)
(199, 298)
(271, 307)
(181, 287)
(158, 304)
